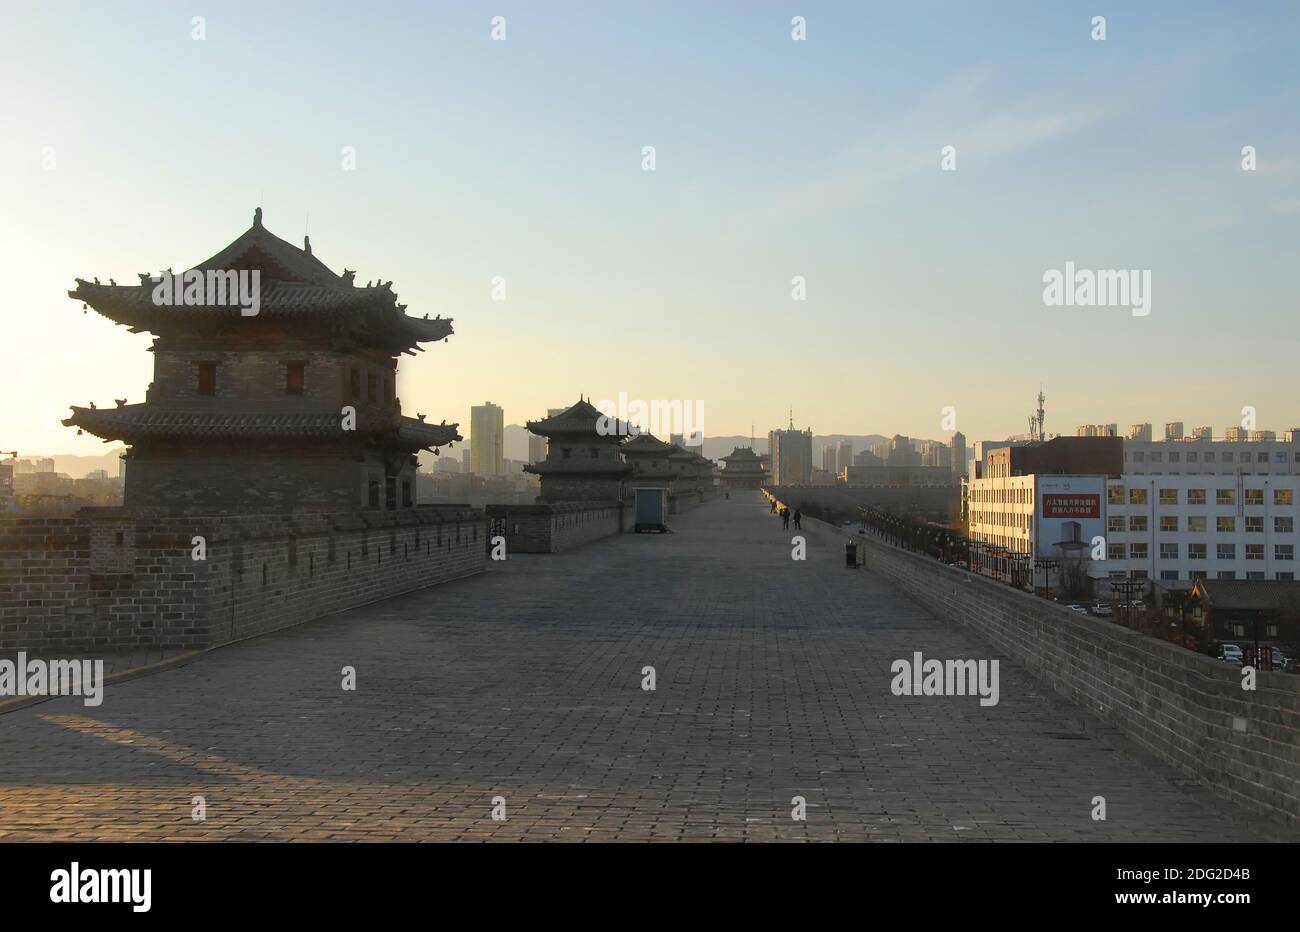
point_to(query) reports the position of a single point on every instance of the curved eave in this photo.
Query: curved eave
(422, 436)
(133, 306)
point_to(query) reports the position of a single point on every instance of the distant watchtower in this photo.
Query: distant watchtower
(248, 408)
(584, 463)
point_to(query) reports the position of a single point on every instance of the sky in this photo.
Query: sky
(132, 146)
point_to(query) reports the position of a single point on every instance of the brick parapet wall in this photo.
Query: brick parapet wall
(116, 579)
(552, 528)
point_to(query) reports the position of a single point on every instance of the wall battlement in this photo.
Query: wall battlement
(119, 579)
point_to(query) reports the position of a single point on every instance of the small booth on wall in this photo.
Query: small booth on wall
(651, 509)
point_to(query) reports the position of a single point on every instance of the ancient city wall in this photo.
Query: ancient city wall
(115, 579)
(1185, 708)
(552, 528)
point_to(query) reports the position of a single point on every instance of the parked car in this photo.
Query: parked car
(1231, 653)
(1077, 608)
(961, 565)
(1102, 610)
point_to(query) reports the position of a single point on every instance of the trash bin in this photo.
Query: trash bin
(851, 553)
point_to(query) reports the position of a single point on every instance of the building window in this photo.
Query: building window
(1156, 457)
(1283, 497)
(1227, 456)
(1137, 496)
(1196, 574)
(1254, 551)
(406, 494)
(294, 377)
(1169, 496)
(1137, 523)
(1225, 496)
(1115, 551)
(1115, 524)
(1254, 574)
(1137, 551)
(207, 378)
(1196, 524)
(372, 497)
(1196, 551)
(1254, 525)
(1226, 552)
(1254, 496)
(1196, 496)
(1169, 574)
(1169, 551)
(1169, 524)
(1225, 524)
(354, 382)
(1227, 574)
(1138, 574)
(1283, 525)
(1191, 458)
(1115, 495)
(1284, 551)
(1286, 576)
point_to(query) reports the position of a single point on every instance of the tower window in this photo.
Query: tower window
(207, 378)
(294, 377)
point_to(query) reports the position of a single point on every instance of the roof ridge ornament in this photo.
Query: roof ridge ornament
(257, 217)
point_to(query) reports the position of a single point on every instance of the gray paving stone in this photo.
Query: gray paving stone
(773, 681)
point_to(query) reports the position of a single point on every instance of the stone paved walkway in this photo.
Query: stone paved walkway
(525, 683)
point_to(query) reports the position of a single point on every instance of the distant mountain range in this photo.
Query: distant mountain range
(516, 448)
(78, 466)
(516, 443)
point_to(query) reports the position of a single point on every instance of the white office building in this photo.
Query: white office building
(1177, 528)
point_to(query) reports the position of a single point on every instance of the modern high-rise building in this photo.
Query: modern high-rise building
(829, 458)
(843, 455)
(536, 448)
(792, 462)
(1139, 432)
(958, 455)
(487, 432)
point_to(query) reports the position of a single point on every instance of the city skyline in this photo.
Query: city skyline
(834, 177)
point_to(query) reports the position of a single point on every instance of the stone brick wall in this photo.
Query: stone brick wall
(556, 527)
(112, 579)
(252, 480)
(1183, 707)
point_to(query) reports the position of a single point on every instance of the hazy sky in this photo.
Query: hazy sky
(774, 158)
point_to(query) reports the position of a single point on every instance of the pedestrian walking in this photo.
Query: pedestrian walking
(797, 515)
(785, 518)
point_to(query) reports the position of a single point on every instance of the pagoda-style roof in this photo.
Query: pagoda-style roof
(581, 420)
(677, 454)
(742, 455)
(131, 423)
(295, 287)
(646, 444)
